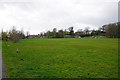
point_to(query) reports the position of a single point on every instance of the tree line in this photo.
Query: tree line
(109, 30)
(13, 35)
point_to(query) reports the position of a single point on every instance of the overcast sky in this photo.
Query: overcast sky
(41, 15)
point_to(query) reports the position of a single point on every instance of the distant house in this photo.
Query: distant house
(77, 36)
(44, 37)
(68, 36)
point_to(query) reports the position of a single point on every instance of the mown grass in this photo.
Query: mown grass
(62, 58)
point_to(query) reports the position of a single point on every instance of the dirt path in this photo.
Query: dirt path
(3, 72)
(0, 65)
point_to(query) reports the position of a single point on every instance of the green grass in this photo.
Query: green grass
(62, 58)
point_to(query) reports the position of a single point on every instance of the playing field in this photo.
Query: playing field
(62, 58)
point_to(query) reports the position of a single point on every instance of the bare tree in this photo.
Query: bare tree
(41, 34)
(79, 33)
(48, 34)
(54, 32)
(86, 30)
(71, 31)
(22, 36)
(112, 30)
(27, 34)
(61, 33)
(14, 35)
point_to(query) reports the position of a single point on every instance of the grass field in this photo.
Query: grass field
(62, 58)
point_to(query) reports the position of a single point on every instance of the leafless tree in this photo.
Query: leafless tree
(112, 30)
(14, 35)
(54, 32)
(27, 34)
(86, 30)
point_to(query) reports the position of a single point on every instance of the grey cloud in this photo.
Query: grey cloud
(41, 15)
